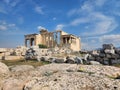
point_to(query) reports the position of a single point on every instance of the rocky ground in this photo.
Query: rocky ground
(59, 77)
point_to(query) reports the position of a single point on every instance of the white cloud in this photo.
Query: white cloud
(39, 10)
(87, 46)
(116, 13)
(40, 27)
(3, 22)
(3, 27)
(11, 25)
(7, 1)
(59, 27)
(72, 12)
(101, 24)
(87, 7)
(20, 20)
(54, 18)
(90, 43)
(79, 21)
(6, 26)
(100, 2)
(14, 3)
(97, 23)
(11, 3)
(115, 39)
(8, 6)
(3, 10)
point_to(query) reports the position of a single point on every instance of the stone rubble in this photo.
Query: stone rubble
(35, 52)
(12, 53)
(108, 54)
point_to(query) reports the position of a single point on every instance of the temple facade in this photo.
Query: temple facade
(51, 39)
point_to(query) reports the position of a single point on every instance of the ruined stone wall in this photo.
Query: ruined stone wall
(39, 39)
(78, 44)
(3, 49)
(30, 40)
(75, 46)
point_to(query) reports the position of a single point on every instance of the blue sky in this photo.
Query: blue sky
(95, 21)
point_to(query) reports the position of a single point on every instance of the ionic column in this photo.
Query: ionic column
(65, 40)
(25, 42)
(44, 39)
(48, 40)
(60, 39)
(52, 40)
(56, 37)
(30, 42)
(35, 43)
(71, 39)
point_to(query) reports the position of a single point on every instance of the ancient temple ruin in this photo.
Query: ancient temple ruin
(52, 39)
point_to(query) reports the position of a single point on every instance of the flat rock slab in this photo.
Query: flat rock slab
(12, 84)
(3, 68)
(21, 68)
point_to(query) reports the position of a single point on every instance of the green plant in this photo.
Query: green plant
(83, 70)
(48, 73)
(42, 46)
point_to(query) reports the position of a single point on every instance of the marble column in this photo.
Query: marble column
(30, 42)
(71, 39)
(25, 43)
(65, 40)
(53, 40)
(35, 43)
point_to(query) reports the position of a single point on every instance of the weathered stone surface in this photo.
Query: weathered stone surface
(13, 84)
(94, 63)
(63, 77)
(1, 57)
(45, 58)
(78, 60)
(21, 68)
(54, 67)
(71, 61)
(101, 70)
(13, 57)
(3, 68)
(91, 77)
(59, 60)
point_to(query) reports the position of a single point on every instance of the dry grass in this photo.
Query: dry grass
(34, 63)
(117, 65)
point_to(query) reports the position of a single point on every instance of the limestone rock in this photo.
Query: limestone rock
(72, 81)
(12, 84)
(3, 68)
(45, 58)
(94, 63)
(59, 60)
(70, 59)
(78, 60)
(21, 68)
(101, 70)
(63, 77)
